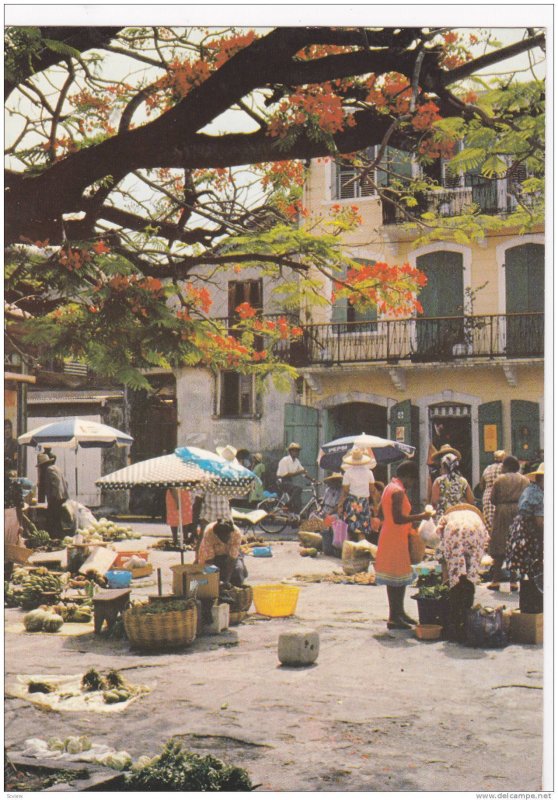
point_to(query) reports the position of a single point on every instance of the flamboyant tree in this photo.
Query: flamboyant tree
(141, 161)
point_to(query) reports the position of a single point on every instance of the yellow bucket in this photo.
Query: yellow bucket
(275, 600)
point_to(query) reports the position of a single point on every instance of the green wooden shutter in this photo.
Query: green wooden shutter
(302, 426)
(489, 414)
(405, 416)
(525, 425)
(524, 293)
(441, 297)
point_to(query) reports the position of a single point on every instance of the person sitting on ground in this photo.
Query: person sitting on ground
(358, 489)
(451, 487)
(463, 541)
(289, 473)
(332, 493)
(505, 495)
(220, 546)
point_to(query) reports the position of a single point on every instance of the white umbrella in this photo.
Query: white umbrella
(74, 432)
(384, 451)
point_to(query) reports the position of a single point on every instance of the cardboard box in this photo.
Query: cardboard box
(198, 583)
(526, 628)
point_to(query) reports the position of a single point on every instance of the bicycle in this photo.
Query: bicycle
(279, 515)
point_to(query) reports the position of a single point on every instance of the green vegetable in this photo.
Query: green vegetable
(167, 605)
(40, 686)
(34, 620)
(93, 681)
(52, 623)
(114, 696)
(178, 771)
(54, 743)
(115, 680)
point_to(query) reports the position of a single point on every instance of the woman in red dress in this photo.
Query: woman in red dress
(393, 563)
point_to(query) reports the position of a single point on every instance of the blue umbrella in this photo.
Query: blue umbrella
(384, 451)
(227, 478)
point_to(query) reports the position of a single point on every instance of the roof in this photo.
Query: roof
(78, 396)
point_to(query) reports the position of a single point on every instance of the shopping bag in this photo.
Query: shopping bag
(416, 548)
(427, 532)
(340, 529)
(486, 627)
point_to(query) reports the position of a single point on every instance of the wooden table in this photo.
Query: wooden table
(108, 604)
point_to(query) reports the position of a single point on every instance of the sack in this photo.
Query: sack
(340, 530)
(416, 548)
(84, 517)
(486, 627)
(427, 532)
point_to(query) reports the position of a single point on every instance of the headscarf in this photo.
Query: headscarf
(451, 464)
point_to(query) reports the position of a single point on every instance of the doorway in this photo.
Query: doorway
(450, 423)
(350, 419)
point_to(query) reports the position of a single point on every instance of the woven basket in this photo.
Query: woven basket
(316, 525)
(160, 631)
(237, 616)
(308, 539)
(243, 597)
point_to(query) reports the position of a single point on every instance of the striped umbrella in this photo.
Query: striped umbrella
(227, 478)
(164, 471)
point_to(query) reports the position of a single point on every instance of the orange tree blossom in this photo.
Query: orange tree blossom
(126, 195)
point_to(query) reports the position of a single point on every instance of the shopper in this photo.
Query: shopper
(356, 493)
(393, 563)
(486, 483)
(451, 487)
(172, 510)
(508, 488)
(463, 541)
(525, 550)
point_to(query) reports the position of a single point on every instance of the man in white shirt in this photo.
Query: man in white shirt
(289, 471)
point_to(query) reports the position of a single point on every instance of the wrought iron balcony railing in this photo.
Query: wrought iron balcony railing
(422, 339)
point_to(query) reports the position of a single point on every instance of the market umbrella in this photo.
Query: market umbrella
(225, 477)
(384, 451)
(169, 472)
(74, 432)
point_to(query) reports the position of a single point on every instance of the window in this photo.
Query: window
(236, 395)
(250, 291)
(395, 165)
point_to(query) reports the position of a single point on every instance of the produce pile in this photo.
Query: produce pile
(162, 606)
(111, 684)
(77, 748)
(176, 770)
(32, 587)
(360, 579)
(103, 531)
(43, 619)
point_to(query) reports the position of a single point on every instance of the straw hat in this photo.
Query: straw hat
(228, 452)
(258, 457)
(44, 458)
(356, 458)
(464, 507)
(335, 476)
(499, 455)
(538, 471)
(294, 446)
(446, 449)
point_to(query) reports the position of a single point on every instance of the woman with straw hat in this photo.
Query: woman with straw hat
(487, 482)
(525, 551)
(357, 490)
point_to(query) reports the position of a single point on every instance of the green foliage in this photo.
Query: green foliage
(176, 770)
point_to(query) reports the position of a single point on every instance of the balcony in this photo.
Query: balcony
(489, 196)
(431, 339)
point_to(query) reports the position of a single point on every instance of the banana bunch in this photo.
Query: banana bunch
(35, 585)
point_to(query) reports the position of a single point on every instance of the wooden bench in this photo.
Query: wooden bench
(108, 604)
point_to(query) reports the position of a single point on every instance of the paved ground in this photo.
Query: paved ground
(379, 711)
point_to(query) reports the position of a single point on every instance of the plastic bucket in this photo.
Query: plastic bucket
(275, 600)
(118, 579)
(432, 612)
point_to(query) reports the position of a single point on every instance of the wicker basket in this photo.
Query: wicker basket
(160, 631)
(314, 524)
(308, 539)
(243, 597)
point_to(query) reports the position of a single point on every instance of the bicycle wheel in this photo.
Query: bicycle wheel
(275, 522)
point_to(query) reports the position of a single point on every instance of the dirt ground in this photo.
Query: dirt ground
(378, 711)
